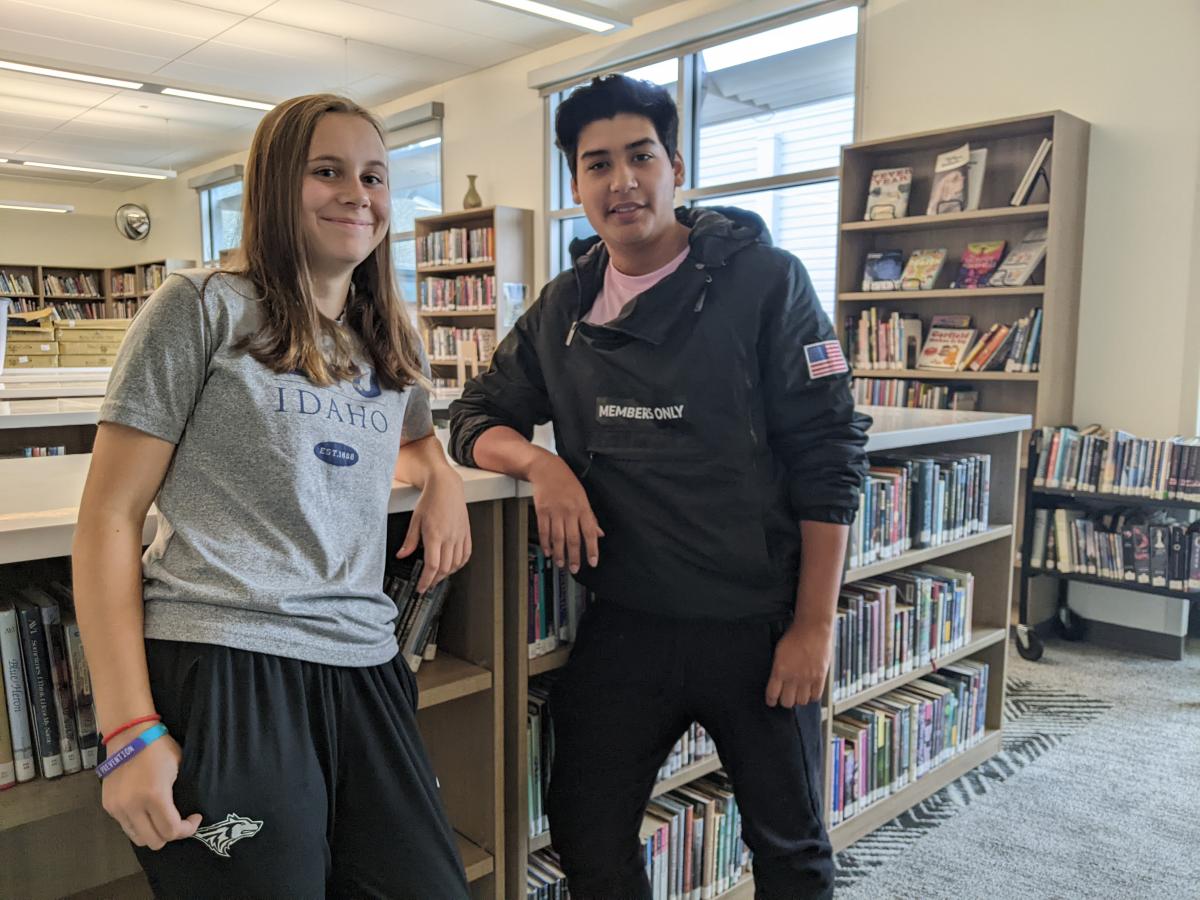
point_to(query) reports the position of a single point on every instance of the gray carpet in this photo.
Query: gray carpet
(1095, 795)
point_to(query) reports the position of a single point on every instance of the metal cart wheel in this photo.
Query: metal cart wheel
(1068, 626)
(1029, 645)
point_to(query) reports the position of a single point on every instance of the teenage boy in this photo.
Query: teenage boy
(705, 430)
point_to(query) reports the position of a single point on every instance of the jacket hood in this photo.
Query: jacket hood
(718, 232)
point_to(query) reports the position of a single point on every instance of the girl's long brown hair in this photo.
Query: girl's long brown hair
(273, 258)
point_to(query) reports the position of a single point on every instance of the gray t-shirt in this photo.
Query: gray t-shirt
(273, 513)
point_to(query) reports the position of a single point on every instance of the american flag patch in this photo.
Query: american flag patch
(825, 358)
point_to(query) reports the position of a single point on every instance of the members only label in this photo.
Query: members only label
(611, 411)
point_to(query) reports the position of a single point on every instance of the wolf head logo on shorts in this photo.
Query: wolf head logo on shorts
(220, 836)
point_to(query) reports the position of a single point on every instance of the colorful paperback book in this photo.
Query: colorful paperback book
(881, 272)
(949, 192)
(922, 270)
(887, 196)
(978, 263)
(945, 348)
(1018, 266)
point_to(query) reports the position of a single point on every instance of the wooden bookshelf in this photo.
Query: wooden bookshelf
(512, 264)
(987, 554)
(1048, 394)
(139, 273)
(460, 706)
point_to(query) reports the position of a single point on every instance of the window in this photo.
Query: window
(763, 117)
(415, 181)
(220, 220)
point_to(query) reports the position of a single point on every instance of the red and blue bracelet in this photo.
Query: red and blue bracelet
(130, 750)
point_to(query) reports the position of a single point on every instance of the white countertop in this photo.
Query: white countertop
(49, 412)
(50, 388)
(895, 428)
(39, 498)
(39, 502)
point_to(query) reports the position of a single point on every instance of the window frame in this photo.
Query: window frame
(207, 236)
(687, 99)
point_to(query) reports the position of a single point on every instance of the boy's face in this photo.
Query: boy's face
(625, 181)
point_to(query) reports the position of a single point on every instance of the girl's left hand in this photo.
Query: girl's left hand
(440, 523)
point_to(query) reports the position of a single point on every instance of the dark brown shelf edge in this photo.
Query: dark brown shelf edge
(1120, 499)
(1120, 585)
(870, 819)
(984, 638)
(925, 554)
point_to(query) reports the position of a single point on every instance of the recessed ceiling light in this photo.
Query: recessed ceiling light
(70, 76)
(100, 168)
(36, 207)
(570, 12)
(216, 98)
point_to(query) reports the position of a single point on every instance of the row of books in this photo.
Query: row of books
(123, 283)
(74, 310)
(891, 625)
(418, 615)
(81, 285)
(444, 341)
(912, 394)
(878, 339)
(1097, 460)
(694, 746)
(457, 246)
(693, 840)
(24, 305)
(28, 452)
(476, 292)
(153, 276)
(913, 501)
(980, 266)
(545, 878)
(126, 309)
(890, 742)
(556, 603)
(48, 720)
(957, 184)
(1117, 546)
(15, 283)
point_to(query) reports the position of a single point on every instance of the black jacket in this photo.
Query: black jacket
(690, 420)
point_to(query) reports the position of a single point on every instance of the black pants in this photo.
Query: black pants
(633, 685)
(312, 781)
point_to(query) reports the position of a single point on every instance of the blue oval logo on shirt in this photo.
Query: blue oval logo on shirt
(367, 384)
(336, 454)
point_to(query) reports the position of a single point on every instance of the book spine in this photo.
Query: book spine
(85, 708)
(16, 697)
(64, 700)
(41, 691)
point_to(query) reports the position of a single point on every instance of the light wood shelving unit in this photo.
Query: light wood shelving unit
(987, 554)
(513, 264)
(460, 708)
(1048, 394)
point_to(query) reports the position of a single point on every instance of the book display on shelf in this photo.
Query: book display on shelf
(470, 264)
(978, 262)
(949, 191)
(950, 339)
(1021, 261)
(887, 197)
(922, 269)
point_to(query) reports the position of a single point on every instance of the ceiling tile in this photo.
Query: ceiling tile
(93, 30)
(170, 17)
(75, 54)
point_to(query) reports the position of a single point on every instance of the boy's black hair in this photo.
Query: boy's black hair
(606, 97)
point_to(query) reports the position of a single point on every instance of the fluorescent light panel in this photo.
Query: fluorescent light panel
(216, 98)
(36, 207)
(100, 169)
(590, 18)
(70, 76)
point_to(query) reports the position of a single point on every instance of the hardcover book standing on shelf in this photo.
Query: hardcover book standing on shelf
(888, 195)
(949, 191)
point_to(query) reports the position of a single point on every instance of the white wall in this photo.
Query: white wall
(87, 237)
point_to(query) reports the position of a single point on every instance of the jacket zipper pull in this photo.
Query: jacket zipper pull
(571, 333)
(704, 293)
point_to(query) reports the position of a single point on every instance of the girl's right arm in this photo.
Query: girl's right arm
(128, 467)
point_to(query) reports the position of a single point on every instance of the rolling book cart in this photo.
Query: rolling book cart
(1067, 624)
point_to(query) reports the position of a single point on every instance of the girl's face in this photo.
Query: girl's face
(345, 204)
